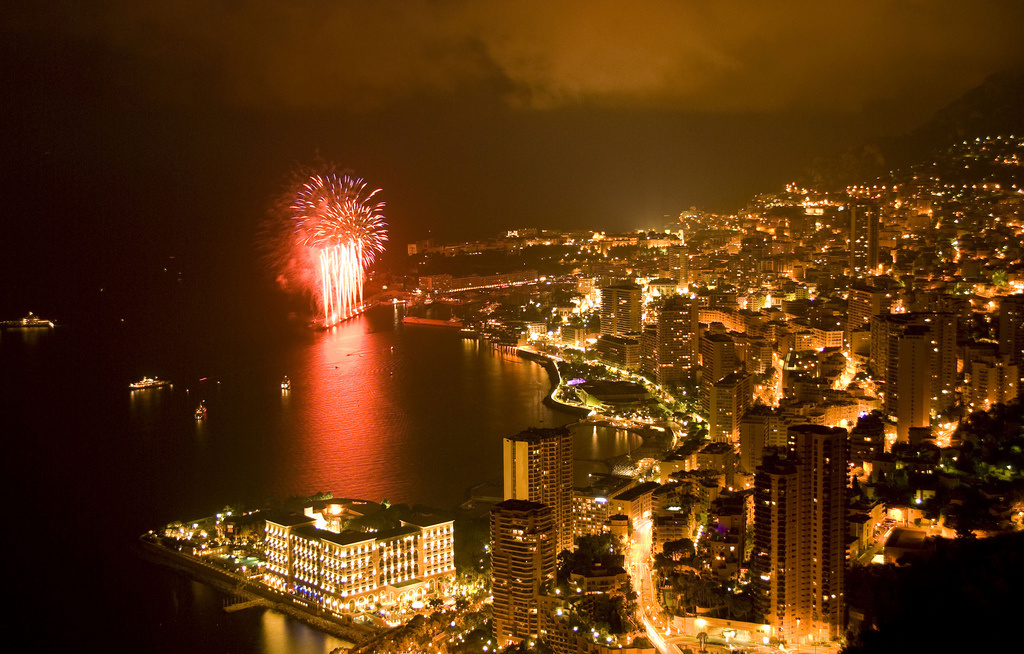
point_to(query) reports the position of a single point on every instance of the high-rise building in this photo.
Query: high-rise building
(992, 379)
(591, 507)
(885, 329)
(760, 427)
(620, 309)
(821, 454)
(913, 389)
(776, 545)
(943, 325)
(759, 356)
(674, 355)
(679, 263)
(718, 358)
(800, 535)
(523, 560)
(538, 468)
(648, 350)
(619, 351)
(1011, 332)
(728, 398)
(863, 302)
(864, 223)
(886, 332)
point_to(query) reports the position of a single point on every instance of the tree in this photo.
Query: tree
(738, 605)
(680, 549)
(590, 551)
(702, 638)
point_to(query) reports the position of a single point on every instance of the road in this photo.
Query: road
(648, 608)
(876, 547)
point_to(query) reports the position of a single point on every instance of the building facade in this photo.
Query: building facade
(800, 535)
(728, 399)
(620, 309)
(886, 332)
(619, 351)
(538, 467)
(523, 560)
(351, 571)
(863, 246)
(676, 352)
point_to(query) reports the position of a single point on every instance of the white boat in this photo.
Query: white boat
(31, 321)
(148, 382)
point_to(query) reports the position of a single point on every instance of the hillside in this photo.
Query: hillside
(996, 107)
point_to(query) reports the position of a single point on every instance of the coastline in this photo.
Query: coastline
(653, 441)
(239, 594)
(556, 380)
(254, 594)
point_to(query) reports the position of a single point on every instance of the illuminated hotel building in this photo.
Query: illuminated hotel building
(349, 571)
(590, 513)
(636, 503)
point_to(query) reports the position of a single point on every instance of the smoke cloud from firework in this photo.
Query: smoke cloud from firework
(329, 230)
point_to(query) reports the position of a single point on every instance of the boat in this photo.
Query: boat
(286, 384)
(413, 320)
(31, 321)
(201, 410)
(148, 382)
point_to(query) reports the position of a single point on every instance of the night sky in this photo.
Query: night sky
(135, 131)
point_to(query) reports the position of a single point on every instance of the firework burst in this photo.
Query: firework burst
(336, 230)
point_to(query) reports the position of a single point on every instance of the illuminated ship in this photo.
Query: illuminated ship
(286, 384)
(31, 321)
(147, 382)
(412, 320)
(201, 410)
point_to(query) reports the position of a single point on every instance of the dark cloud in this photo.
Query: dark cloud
(692, 56)
(176, 121)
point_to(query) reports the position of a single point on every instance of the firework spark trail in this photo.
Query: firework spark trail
(343, 227)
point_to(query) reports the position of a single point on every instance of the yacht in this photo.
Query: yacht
(148, 382)
(31, 321)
